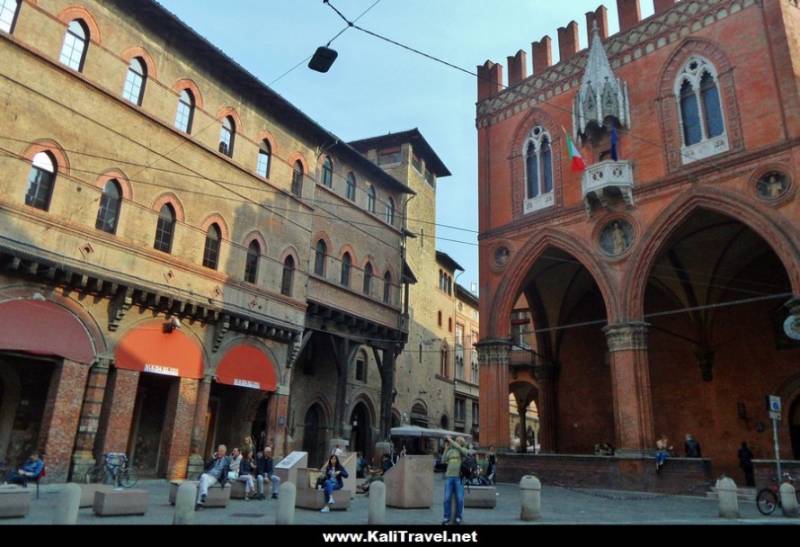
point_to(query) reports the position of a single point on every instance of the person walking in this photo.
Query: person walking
(746, 463)
(454, 454)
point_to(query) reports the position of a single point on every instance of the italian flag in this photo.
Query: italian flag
(578, 164)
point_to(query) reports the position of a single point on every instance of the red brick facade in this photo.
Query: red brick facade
(677, 328)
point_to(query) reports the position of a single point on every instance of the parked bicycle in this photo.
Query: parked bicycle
(114, 470)
(769, 498)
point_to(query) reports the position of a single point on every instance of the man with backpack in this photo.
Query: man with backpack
(453, 456)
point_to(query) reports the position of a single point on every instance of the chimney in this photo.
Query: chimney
(629, 14)
(490, 80)
(599, 16)
(542, 55)
(662, 5)
(568, 41)
(517, 68)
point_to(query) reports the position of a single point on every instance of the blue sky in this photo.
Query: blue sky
(375, 87)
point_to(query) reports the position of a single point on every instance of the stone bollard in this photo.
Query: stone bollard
(728, 498)
(789, 500)
(377, 503)
(286, 500)
(184, 503)
(530, 490)
(69, 502)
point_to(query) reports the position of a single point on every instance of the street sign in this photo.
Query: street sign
(774, 404)
(774, 415)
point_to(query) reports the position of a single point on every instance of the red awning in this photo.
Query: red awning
(247, 366)
(44, 328)
(149, 349)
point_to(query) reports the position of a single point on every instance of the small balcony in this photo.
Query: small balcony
(606, 182)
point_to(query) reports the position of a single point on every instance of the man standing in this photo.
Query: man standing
(265, 469)
(216, 471)
(453, 455)
(692, 447)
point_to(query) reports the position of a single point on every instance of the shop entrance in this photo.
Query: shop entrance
(24, 383)
(236, 416)
(149, 436)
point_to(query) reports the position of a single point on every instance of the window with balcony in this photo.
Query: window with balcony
(538, 170)
(700, 110)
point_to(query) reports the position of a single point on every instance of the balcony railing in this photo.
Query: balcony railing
(605, 181)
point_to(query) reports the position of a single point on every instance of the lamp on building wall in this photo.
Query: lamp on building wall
(172, 324)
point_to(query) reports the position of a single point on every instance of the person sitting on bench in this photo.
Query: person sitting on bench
(29, 471)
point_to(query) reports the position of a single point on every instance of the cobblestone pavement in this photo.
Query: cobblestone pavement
(559, 506)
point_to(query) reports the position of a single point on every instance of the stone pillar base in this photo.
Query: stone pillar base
(195, 468)
(82, 462)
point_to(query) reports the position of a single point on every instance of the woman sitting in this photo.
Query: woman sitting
(331, 480)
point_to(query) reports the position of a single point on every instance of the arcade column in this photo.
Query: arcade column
(197, 458)
(546, 376)
(494, 357)
(83, 456)
(630, 385)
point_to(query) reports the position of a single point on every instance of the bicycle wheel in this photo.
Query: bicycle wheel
(128, 478)
(766, 501)
(95, 475)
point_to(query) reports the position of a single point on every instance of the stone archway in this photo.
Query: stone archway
(314, 424)
(361, 432)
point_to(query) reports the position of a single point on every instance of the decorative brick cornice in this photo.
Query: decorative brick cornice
(654, 33)
(626, 336)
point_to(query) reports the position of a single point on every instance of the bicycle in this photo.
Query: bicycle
(114, 470)
(769, 498)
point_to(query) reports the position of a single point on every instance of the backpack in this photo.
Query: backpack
(468, 467)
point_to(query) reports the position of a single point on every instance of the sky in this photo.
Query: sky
(375, 87)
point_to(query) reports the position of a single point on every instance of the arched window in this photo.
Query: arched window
(390, 212)
(227, 136)
(450, 324)
(319, 258)
(264, 159)
(185, 115)
(700, 109)
(387, 288)
(439, 316)
(347, 264)
(327, 172)
(211, 250)
(8, 15)
(41, 180)
(361, 366)
(251, 263)
(165, 230)
(110, 202)
(538, 163)
(288, 276)
(135, 82)
(368, 279)
(297, 179)
(351, 187)
(371, 199)
(73, 52)
(690, 115)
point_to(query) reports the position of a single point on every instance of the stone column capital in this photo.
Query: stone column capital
(626, 336)
(494, 352)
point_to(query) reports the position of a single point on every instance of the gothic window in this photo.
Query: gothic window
(371, 199)
(108, 213)
(134, 82)
(351, 187)
(165, 230)
(226, 136)
(538, 169)
(700, 109)
(368, 279)
(390, 211)
(319, 258)
(211, 250)
(288, 276)
(327, 172)
(185, 114)
(8, 14)
(251, 263)
(41, 179)
(387, 287)
(73, 52)
(264, 160)
(297, 179)
(347, 264)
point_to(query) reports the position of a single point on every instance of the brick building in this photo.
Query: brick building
(653, 286)
(467, 374)
(161, 210)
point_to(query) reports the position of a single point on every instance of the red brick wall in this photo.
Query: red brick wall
(118, 409)
(180, 418)
(678, 476)
(60, 420)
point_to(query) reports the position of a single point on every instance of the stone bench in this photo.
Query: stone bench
(173, 489)
(480, 497)
(15, 501)
(120, 502)
(309, 498)
(89, 490)
(218, 496)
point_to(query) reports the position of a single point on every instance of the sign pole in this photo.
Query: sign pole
(777, 449)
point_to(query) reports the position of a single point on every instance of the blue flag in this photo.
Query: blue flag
(614, 141)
